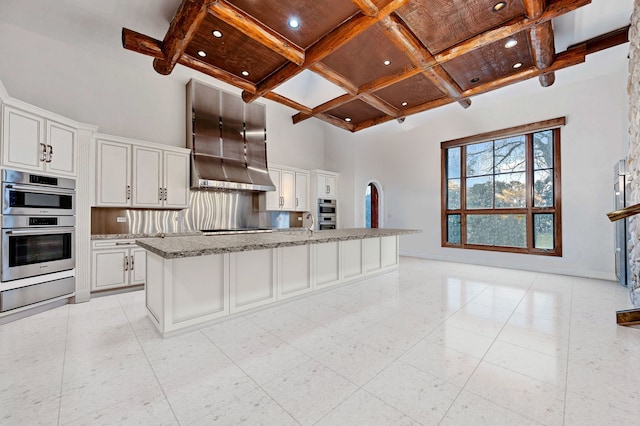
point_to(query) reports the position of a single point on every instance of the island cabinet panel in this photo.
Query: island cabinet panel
(389, 251)
(326, 264)
(155, 290)
(294, 270)
(199, 289)
(351, 259)
(252, 279)
(371, 254)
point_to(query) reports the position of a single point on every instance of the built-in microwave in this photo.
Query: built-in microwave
(32, 194)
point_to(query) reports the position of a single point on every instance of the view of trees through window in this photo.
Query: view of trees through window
(501, 194)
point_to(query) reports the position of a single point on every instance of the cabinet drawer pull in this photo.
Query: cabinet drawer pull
(125, 244)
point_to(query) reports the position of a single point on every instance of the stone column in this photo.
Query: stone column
(633, 88)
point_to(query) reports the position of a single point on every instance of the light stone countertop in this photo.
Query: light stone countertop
(135, 236)
(199, 245)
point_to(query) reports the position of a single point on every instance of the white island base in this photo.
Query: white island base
(184, 293)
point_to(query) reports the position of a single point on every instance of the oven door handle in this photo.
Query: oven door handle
(39, 231)
(40, 190)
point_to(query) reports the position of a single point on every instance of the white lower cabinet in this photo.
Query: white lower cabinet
(294, 270)
(326, 264)
(389, 255)
(117, 263)
(252, 279)
(351, 259)
(371, 254)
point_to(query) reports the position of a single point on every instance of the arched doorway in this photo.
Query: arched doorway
(372, 206)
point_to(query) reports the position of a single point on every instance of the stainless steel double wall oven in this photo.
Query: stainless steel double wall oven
(38, 238)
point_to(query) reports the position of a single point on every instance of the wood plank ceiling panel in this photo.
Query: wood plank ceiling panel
(491, 62)
(234, 51)
(414, 91)
(362, 59)
(316, 18)
(357, 110)
(440, 24)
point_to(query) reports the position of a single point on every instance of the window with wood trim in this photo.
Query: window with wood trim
(501, 190)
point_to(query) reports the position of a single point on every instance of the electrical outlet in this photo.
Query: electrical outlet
(121, 219)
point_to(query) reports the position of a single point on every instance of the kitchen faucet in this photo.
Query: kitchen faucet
(313, 223)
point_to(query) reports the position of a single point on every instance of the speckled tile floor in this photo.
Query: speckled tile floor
(435, 343)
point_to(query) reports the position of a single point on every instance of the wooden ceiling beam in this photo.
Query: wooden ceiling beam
(541, 40)
(534, 8)
(605, 41)
(445, 100)
(378, 104)
(336, 122)
(320, 109)
(408, 43)
(183, 27)
(140, 43)
(543, 50)
(322, 48)
(367, 7)
(334, 77)
(257, 31)
(388, 80)
(273, 96)
(554, 10)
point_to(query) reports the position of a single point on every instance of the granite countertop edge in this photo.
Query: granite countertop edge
(198, 245)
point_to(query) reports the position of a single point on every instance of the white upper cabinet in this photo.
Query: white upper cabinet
(33, 142)
(292, 193)
(176, 179)
(147, 177)
(113, 175)
(135, 174)
(327, 184)
(302, 191)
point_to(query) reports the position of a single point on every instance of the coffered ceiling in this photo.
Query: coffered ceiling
(372, 60)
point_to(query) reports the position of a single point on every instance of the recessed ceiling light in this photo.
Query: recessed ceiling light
(475, 79)
(517, 65)
(499, 6)
(245, 73)
(202, 53)
(294, 23)
(216, 34)
(348, 119)
(387, 62)
(405, 103)
(511, 43)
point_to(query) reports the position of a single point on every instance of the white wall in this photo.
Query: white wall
(405, 158)
(122, 94)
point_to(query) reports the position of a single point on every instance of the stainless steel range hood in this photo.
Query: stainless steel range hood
(227, 139)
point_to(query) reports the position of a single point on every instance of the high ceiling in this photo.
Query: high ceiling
(332, 67)
(390, 58)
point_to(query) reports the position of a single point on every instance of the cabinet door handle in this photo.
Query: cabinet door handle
(165, 194)
(128, 192)
(131, 263)
(43, 158)
(126, 263)
(50, 153)
(328, 189)
(296, 201)
(160, 194)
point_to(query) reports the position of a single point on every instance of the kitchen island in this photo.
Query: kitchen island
(195, 279)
